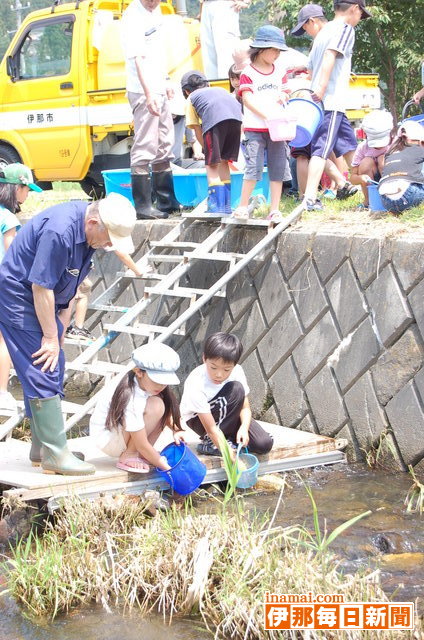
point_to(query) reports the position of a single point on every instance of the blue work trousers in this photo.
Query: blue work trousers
(21, 344)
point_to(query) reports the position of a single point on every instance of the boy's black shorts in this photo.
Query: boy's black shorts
(222, 142)
(295, 152)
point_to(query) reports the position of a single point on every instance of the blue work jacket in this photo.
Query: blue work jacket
(51, 251)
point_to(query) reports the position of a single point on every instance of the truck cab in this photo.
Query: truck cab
(62, 89)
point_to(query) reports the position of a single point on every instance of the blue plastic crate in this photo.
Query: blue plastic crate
(191, 186)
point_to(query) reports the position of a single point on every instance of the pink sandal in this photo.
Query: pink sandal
(124, 466)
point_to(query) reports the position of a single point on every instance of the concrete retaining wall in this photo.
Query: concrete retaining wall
(332, 326)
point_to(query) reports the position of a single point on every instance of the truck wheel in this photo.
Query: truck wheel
(92, 188)
(8, 155)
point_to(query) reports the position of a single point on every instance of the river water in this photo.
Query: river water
(389, 538)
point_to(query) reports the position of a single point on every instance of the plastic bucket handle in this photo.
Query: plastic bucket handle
(251, 473)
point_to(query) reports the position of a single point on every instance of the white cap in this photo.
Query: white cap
(159, 361)
(378, 126)
(119, 217)
(412, 129)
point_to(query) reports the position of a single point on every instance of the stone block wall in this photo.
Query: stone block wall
(332, 326)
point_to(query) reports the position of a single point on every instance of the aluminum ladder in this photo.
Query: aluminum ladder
(165, 285)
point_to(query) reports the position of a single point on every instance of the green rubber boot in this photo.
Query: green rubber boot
(35, 451)
(49, 429)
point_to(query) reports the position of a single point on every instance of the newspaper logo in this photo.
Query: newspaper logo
(330, 612)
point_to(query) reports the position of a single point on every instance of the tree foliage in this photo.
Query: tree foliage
(391, 43)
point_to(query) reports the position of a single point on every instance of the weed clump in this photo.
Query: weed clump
(181, 562)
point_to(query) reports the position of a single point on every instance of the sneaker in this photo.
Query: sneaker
(7, 402)
(78, 333)
(207, 447)
(313, 205)
(241, 213)
(346, 191)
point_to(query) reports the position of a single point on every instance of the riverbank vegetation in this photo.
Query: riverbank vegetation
(181, 562)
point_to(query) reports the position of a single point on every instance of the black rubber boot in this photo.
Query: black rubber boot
(142, 195)
(163, 192)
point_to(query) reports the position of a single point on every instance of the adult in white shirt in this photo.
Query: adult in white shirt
(149, 93)
(219, 35)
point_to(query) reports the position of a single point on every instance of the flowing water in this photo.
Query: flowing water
(389, 538)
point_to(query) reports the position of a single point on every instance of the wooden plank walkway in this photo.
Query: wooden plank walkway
(292, 449)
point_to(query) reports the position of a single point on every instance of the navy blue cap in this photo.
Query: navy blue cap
(268, 37)
(360, 3)
(187, 77)
(307, 12)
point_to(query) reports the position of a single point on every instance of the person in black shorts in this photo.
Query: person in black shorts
(216, 119)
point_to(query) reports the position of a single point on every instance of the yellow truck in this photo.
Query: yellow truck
(63, 109)
(62, 89)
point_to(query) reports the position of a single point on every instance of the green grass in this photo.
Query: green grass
(342, 211)
(345, 211)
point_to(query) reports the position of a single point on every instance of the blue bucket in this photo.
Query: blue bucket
(309, 117)
(118, 181)
(419, 118)
(376, 203)
(249, 476)
(187, 472)
(185, 187)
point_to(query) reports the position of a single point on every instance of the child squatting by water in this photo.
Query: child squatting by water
(141, 405)
(215, 399)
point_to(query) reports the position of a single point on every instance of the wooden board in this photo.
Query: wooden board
(17, 472)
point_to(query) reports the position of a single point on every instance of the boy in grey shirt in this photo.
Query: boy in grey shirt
(330, 66)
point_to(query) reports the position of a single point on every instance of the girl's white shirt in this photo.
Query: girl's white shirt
(134, 413)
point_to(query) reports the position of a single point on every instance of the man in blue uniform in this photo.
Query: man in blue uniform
(39, 277)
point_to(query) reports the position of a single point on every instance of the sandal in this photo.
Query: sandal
(241, 213)
(275, 216)
(127, 466)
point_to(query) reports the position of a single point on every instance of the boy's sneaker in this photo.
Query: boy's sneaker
(78, 333)
(207, 447)
(313, 205)
(346, 191)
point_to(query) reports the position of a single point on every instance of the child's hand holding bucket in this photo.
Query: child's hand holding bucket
(179, 437)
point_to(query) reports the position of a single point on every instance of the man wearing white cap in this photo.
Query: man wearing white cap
(368, 160)
(39, 277)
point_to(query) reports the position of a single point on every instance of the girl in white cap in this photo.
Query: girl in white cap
(368, 159)
(15, 183)
(128, 425)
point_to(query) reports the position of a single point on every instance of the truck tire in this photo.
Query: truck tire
(8, 155)
(94, 189)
